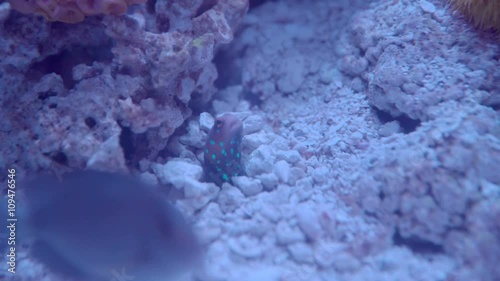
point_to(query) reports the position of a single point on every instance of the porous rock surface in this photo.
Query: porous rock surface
(71, 91)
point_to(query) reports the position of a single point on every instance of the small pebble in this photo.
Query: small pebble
(295, 175)
(290, 156)
(252, 124)
(287, 234)
(248, 186)
(193, 136)
(271, 212)
(176, 172)
(427, 6)
(305, 183)
(206, 121)
(282, 171)
(253, 141)
(230, 198)
(269, 181)
(149, 178)
(198, 194)
(326, 75)
(246, 246)
(308, 221)
(389, 128)
(320, 175)
(301, 252)
(345, 262)
(291, 74)
(325, 252)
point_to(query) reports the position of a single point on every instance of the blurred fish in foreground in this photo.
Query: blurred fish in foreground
(101, 226)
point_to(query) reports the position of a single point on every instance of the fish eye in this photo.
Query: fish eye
(218, 123)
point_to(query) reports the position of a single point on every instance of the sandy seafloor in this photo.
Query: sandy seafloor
(371, 147)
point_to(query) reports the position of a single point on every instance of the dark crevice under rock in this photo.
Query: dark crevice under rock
(59, 157)
(256, 3)
(150, 6)
(252, 98)
(492, 101)
(90, 122)
(127, 144)
(47, 94)
(407, 124)
(229, 73)
(205, 6)
(416, 244)
(63, 62)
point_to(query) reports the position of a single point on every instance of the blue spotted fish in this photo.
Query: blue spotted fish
(222, 150)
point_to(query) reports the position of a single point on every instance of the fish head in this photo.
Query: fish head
(227, 127)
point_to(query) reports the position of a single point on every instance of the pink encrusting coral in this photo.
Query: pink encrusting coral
(72, 11)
